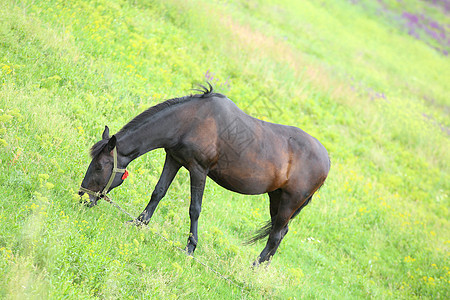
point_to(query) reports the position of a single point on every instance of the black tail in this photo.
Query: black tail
(260, 234)
(267, 228)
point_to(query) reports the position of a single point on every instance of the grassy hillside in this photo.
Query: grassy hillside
(369, 79)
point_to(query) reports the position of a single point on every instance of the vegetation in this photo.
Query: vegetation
(369, 79)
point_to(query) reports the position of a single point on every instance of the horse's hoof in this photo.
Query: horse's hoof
(189, 252)
(190, 248)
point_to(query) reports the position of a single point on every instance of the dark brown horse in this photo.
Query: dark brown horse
(210, 136)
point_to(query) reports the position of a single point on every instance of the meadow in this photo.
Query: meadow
(369, 79)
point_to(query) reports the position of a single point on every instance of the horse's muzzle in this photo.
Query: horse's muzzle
(92, 199)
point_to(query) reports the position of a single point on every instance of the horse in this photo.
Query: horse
(210, 136)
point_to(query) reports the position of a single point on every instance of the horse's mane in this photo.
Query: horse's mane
(206, 92)
(98, 147)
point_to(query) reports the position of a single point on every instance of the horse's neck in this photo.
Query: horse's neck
(157, 132)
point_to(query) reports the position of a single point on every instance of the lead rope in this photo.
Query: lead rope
(241, 286)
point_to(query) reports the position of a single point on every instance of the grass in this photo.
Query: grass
(349, 72)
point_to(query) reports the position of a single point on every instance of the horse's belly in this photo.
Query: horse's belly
(243, 182)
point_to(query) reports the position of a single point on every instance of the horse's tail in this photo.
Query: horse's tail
(267, 228)
(261, 233)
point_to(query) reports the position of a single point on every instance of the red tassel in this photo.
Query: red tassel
(125, 175)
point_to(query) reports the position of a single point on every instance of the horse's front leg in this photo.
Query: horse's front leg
(170, 169)
(198, 180)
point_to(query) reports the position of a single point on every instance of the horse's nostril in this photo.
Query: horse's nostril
(80, 193)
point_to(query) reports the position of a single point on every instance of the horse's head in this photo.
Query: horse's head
(103, 173)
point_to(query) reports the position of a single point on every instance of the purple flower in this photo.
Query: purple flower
(432, 33)
(436, 25)
(411, 17)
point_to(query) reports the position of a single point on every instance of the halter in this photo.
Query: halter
(115, 170)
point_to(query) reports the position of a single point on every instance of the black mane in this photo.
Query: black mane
(98, 147)
(205, 93)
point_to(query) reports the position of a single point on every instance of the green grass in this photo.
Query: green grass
(376, 97)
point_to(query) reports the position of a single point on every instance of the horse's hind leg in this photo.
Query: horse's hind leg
(287, 205)
(275, 199)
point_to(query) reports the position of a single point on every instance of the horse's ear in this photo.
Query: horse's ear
(105, 134)
(111, 143)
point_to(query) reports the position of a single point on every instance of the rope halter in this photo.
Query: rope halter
(115, 170)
